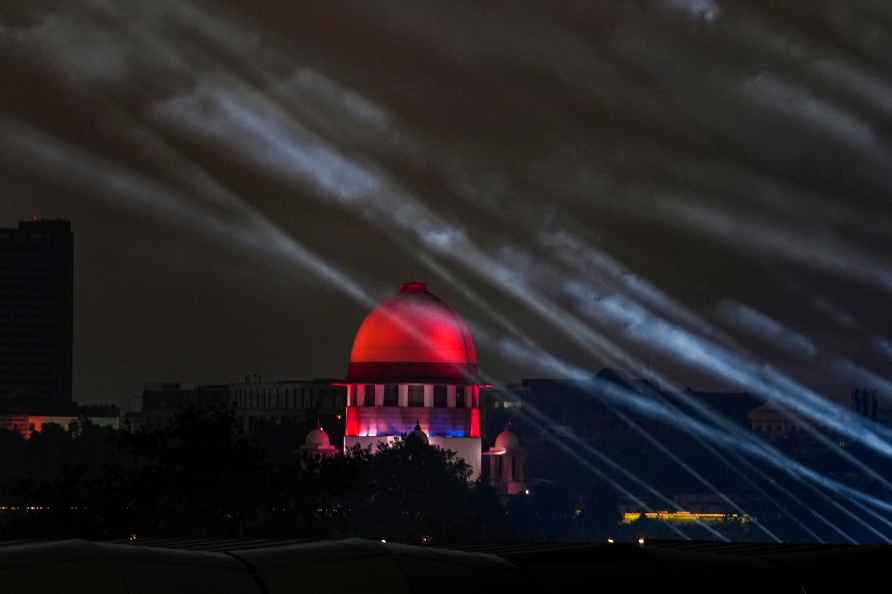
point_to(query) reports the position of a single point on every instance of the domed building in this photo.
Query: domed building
(318, 443)
(413, 362)
(419, 435)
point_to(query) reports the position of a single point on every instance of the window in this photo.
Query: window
(391, 395)
(368, 395)
(460, 397)
(416, 396)
(440, 400)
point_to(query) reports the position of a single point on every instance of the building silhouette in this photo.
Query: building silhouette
(36, 316)
(258, 405)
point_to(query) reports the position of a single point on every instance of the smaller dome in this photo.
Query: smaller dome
(317, 439)
(507, 440)
(418, 434)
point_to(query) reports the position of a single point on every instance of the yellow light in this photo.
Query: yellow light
(610, 540)
(641, 541)
(684, 517)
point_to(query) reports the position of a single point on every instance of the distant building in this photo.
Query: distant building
(584, 408)
(414, 365)
(317, 444)
(772, 423)
(25, 423)
(257, 404)
(36, 316)
(292, 402)
(869, 404)
(160, 402)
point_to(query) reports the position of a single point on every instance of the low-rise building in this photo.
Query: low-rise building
(257, 404)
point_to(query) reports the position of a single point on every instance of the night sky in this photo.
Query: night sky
(243, 181)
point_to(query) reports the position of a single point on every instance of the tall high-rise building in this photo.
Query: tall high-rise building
(36, 315)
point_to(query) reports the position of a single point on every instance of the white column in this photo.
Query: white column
(404, 395)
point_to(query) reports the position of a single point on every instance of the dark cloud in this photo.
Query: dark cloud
(721, 152)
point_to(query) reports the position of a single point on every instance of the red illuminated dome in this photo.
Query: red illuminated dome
(413, 337)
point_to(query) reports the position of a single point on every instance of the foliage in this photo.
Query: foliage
(202, 476)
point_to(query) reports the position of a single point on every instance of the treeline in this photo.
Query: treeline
(202, 476)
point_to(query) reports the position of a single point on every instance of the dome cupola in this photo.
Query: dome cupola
(318, 442)
(507, 440)
(418, 434)
(413, 337)
(317, 438)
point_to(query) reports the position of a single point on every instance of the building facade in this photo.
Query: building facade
(257, 404)
(36, 316)
(295, 403)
